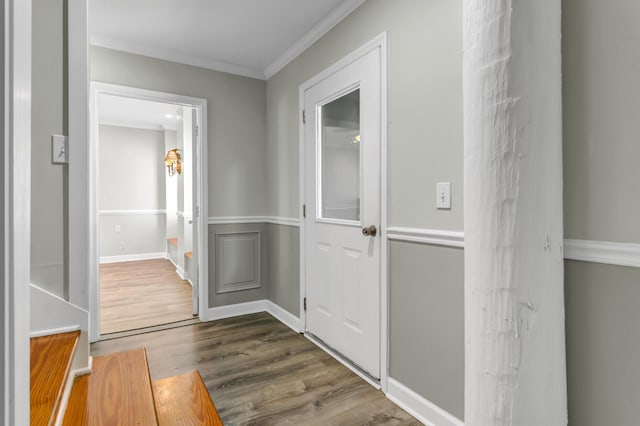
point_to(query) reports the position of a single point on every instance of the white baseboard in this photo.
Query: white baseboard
(181, 273)
(66, 394)
(420, 408)
(283, 316)
(236, 310)
(132, 257)
(247, 308)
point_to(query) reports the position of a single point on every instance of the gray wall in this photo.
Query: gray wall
(235, 122)
(48, 117)
(131, 177)
(3, 295)
(425, 107)
(426, 304)
(601, 95)
(284, 266)
(603, 343)
(424, 147)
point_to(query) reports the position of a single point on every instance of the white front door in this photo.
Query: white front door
(342, 198)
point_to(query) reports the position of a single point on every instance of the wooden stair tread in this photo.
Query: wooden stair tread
(184, 400)
(189, 254)
(117, 392)
(51, 358)
(173, 241)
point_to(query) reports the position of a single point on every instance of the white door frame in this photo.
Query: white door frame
(201, 197)
(378, 42)
(16, 209)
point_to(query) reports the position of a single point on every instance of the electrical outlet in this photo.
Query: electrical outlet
(121, 245)
(443, 195)
(118, 229)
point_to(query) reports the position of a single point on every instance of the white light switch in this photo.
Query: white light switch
(59, 149)
(443, 195)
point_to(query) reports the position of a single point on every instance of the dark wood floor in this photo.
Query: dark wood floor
(260, 372)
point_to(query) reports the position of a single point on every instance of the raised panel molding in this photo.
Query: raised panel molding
(237, 261)
(131, 212)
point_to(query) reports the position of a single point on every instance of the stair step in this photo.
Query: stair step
(117, 392)
(184, 400)
(51, 358)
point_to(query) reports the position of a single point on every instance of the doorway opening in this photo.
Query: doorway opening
(148, 193)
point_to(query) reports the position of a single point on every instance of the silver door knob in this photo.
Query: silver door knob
(369, 231)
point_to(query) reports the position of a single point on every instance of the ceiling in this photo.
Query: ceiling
(254, 38)
(129, 112)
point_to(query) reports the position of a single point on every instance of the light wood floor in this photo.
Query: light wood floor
(142, 294)
(259, 372)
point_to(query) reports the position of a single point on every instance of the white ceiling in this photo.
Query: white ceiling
(129, 112)
(255, 38)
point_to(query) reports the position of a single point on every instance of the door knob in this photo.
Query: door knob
(369, 231)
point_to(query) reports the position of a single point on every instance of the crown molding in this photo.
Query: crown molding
(168, 55)
(334, 17)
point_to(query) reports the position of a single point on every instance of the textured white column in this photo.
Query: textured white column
(514, 298)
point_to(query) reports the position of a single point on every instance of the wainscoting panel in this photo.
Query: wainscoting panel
(238, 261)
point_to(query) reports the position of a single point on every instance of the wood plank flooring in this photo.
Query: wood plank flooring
(259, 372)
(117, 381)
(142, 294)
(50, 361)
(184, 400)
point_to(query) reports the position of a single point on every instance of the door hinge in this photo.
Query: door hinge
(304, 210)
(305, 303)
(304, 116)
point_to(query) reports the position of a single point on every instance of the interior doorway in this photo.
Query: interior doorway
(148, 192)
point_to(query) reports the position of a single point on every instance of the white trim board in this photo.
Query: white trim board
(225, 220)
(135, 125)
(426, 236)
(132, 257)
(131, 212)
(239, 309)
(419, 407)
(606, 252)
(623, 254)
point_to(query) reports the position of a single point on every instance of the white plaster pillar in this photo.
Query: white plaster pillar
(515, 370)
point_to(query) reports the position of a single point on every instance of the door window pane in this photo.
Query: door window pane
(340, 158)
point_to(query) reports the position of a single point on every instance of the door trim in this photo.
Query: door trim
(98, 88)
(378, 42)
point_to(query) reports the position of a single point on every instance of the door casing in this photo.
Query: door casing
(378, 42)
(200, 156)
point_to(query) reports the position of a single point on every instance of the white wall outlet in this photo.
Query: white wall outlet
(59, 150)
(121, 245)
(443, 195)
(118, 229)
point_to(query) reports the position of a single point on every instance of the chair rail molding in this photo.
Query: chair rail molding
(612, 253)
(426, 236)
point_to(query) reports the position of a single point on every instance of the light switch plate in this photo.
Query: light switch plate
(59, 149)
(443, 195)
